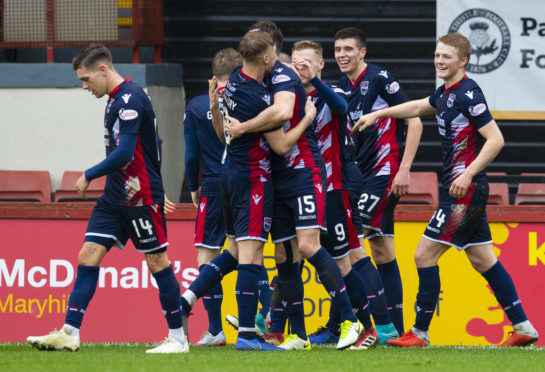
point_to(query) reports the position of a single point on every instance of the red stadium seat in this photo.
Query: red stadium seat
(67, 191)
(530, 193)
(423, 189)
(499, 191)
(16, 185)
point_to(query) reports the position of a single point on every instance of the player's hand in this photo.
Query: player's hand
(232, 127)
(169, 206)
(81, 186)
(365, 121)
(213, 94)
(310, 109)
(195, 196)
(303, 68)
(459, 186)
(402, 180)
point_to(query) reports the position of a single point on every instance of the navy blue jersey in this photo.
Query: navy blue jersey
(331, 135)
(248, 155)
(129, 110)
(461, 111)
(305, 152)
(209, 149)
(378, 148)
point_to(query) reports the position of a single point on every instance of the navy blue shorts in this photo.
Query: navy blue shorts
(341, 235)
(461, 223)
(299, 203)
(376, 206)
(247, 208)
(112, 225)
(209, 227)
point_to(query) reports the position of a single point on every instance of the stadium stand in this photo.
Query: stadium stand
(423, 189)
(530, 193)
(22, 185)
(499, 191)
(67, 192)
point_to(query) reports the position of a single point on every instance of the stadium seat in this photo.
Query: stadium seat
(499, 191)
(530, 193)
(67, 192)
(17, 185)
(423, 189)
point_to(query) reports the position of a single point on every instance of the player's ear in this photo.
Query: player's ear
(363, 52)
(322, 64)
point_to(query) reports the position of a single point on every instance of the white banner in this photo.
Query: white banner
(508, 51)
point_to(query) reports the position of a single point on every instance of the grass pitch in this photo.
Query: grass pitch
(132, 357)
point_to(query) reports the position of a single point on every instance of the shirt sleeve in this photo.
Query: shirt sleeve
(433, 98)
(390, 90)
(130, 114)
(117, 159)
(283, 80)
(191, 150)
(336, 103)
(476, 109)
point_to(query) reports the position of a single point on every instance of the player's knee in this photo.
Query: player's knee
(157, 261)
(91, 254)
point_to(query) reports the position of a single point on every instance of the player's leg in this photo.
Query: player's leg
(209, 239)
(427, 254)
(212, 301)
(265, 294)
(376, 208)
(484, 260)
(103, 231)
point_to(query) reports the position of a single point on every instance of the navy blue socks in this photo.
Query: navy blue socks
(331, 278)
(504, 289)
(212, 304)
(265, 292)
(81, 295)
(169, 295)
(290, 285)
(428, 292)
(394, 292)
(358, 297)
(212, 273)
(246, 291)
(375, 290)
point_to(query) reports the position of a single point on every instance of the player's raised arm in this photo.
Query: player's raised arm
(217, 116)
(280, 142)
(411, 109)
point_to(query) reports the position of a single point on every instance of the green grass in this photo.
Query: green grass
(132, 357)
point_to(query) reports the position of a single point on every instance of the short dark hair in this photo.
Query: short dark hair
(90, 55)
(272, 29)
(225, 61)
(352, 33)
(253, 45)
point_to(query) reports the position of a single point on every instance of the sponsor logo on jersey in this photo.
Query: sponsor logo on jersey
(267, 222)
(469, 93)
(126, 97)
(203, 204)
(450, 100)
(392, 88)
(279, 69)
(384, 73)
(349, 213)
(280, 79)
(477, 109)
(355, 115)
(128, 114)
(319, 187)
(257, 198)
(364, 87)
(267, 99)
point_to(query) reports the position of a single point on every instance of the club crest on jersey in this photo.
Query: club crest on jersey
(126, 97)
(477, 109)
(128, 114)
(202, 205)
(364, 87)
(280, 79)
(267, 222)
(451, 98)
(314, 100)
(257, 198)
(392, 88)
